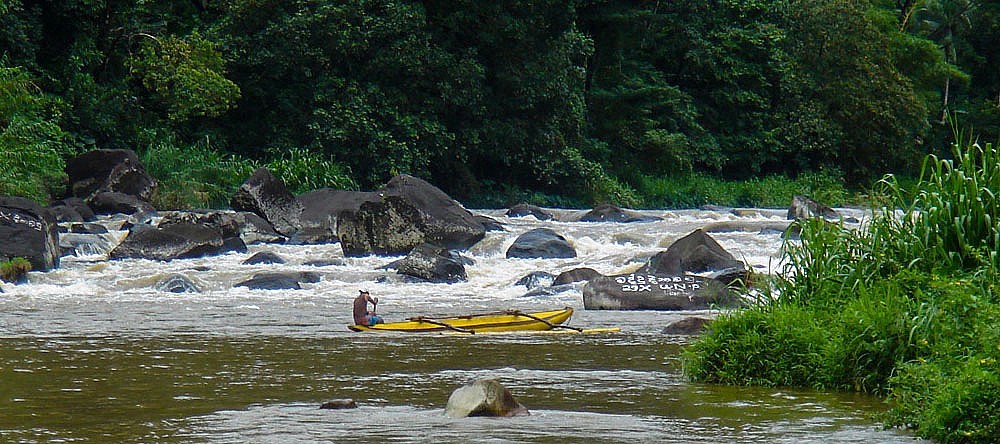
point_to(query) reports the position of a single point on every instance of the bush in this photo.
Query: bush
(782, 346)
(195, 176)
(15, 270)
(949, 401)
(302, 170)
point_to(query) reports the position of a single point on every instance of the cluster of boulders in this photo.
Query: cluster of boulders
(407, 216)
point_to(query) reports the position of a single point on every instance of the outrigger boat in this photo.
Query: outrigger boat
(497, 322)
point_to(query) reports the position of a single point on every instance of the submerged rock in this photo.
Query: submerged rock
(264, 257)
(279, 281)
(524, 209)
(536, 279)
(177, 283)
(271, 282)
(576, 275)
(611, 213)
(692, 325)
(483, 397)
(339, 404)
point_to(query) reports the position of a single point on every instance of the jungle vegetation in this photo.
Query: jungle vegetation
(565, 103)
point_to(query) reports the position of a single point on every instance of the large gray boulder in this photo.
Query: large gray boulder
(320, 209)
(117, 171)
(248, 227)
(27, 230)
(483, 397)
(695, 253)
(407, 212)
(651, 292)
(171, 241)
(541, 243)
(266, 195)
(432, 263)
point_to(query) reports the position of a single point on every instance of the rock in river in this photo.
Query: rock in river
(407, 212)
(483, 397)
(27, 230)
(651, 292)
(541, 243)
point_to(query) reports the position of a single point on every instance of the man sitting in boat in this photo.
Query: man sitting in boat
(361, 314)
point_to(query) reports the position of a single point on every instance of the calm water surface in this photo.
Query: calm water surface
(93, 353)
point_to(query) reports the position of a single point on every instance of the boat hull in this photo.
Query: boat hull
(492, 322)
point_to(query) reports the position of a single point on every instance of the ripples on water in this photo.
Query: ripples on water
(92, 352)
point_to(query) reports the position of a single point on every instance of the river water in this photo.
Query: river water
(92, 352)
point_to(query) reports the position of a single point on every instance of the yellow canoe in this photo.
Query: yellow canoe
(505, 321)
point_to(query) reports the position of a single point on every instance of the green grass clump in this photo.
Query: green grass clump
(905, 307)
(303, 170)
(193, 176)
(15, 270)
(695, 190)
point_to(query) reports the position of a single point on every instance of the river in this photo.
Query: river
(92, 352)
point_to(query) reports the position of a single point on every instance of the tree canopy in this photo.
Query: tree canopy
(582, 98)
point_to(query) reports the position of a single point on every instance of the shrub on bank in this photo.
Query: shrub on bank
(14, 270)
(904, 308)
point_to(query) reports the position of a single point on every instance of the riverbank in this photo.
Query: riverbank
(905, 309)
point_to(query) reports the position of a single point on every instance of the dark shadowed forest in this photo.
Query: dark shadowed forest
(561, 103)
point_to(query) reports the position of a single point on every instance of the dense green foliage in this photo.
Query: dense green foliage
(32, 145)
(905, 307)
(578, 102)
